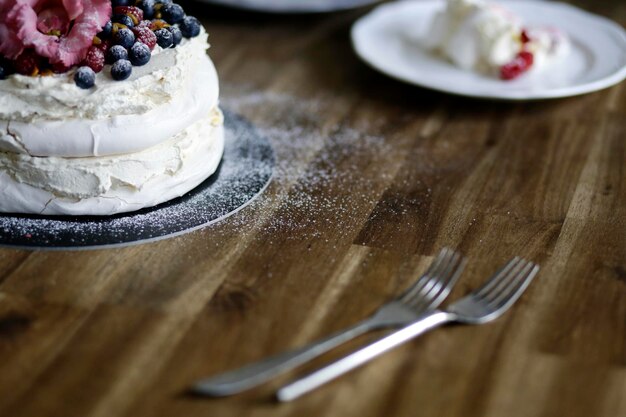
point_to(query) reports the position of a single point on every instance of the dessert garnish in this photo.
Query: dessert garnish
(84, 37)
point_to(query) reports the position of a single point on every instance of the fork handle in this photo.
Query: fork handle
(255, 374)
(326, 374)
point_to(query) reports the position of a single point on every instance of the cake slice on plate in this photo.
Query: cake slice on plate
(482, 36)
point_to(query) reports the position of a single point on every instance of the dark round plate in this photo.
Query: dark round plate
(243, 174)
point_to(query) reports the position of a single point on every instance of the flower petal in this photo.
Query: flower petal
(22, 21)
(73, 47)
(10, 45)
(74, 8)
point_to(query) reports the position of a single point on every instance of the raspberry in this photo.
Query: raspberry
(144, 23)
(104, 45)
(135, 13)
(524, 37)
(27, 63)
(94, 58)
(522, 63)
(527, 57)
(144, 35)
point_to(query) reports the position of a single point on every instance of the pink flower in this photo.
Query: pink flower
(60, 30)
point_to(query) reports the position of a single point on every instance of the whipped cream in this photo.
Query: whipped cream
(481, 36)
(56, 97)
(187, 76)
(110, 185)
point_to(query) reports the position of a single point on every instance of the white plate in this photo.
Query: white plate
(294, 6)
(388, 39)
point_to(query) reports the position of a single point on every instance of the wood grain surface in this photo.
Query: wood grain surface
(373, 178)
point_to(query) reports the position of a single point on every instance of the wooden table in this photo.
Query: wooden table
(374, 177)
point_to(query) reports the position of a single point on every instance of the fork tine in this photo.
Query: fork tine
(453, 278)
(505, 285)
(517, 288)
(497, 278)
(506, 280)
(445, 280)
(426, 278)
(434, 283)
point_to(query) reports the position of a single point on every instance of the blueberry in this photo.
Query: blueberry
(106, 31)
(3, 72)
(124, 37)
(164, 38)
(115, 53)
(164, 1)
(84, 77)
(116, 3)
(124, 19)
(177, 36)
(190, 27)
(121, 70)
(147, 6)
(139, 54)
(172, 13)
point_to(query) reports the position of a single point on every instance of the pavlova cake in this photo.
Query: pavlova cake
(105, 106)
(482, 36)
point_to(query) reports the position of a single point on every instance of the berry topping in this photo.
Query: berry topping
(147, 6)
(190, 27)
(121, 70)
(522, 63)
(139, 54)
(94, 58)
(85, 77)
(133, 12)
(104, 45)
(177, 35)
(165, 39)
(144, 35)
(157, 24)
(27, 63)
(124, 37)
(107, 31)
(172, 13)
(123, 19)
(524, 36)
(115, 53)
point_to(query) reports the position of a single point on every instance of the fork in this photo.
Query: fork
(485, 304)
(425, 295)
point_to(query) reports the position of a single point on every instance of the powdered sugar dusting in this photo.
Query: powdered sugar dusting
(319, 172)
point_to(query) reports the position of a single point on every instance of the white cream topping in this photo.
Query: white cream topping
(187, 76)
(482, 36)
(110, 185)
(56, 97)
